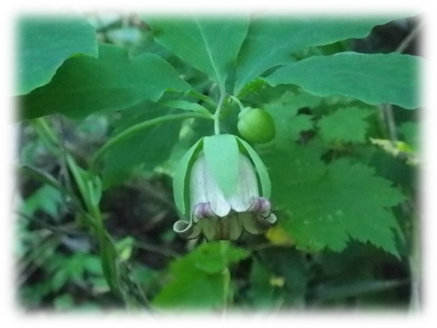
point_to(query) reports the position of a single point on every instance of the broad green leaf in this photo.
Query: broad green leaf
(197, 280)
(346, 124)
(145, 149)
(272, 40)
(222, 156)
(44, 43)
(263, 174)
(113, 81)
(209, 44)
(180, 177)
(190, 288)
(214, 257)
(372, 78)
(331, 204)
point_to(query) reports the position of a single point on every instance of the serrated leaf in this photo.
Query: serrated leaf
(209, 44)
(331, 204)
(84, 85)
(222, 157)
(44, 43)
(180, 177)
(271, 40)
(289, 124)
(372, 78)
(263, 174)
(345, 125)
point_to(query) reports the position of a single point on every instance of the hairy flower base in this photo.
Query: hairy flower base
(255, 220)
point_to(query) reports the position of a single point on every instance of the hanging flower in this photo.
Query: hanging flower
(219, 216)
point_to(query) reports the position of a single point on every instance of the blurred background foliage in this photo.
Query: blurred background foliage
(58, 262)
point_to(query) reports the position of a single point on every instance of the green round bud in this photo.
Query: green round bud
(256, 125)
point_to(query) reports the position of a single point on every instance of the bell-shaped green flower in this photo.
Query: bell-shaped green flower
(220, 216)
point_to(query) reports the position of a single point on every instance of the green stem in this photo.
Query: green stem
(216, 116)
(47, 134)
(202, 97)
(238, 102)
(91, 210)
(140, 126)
(224, 245)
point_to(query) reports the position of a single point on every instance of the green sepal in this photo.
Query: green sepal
(266, 185)
(180, 175)
(222, 156)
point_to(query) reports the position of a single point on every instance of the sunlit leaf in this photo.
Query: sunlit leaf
(330, 204)
(345, 125)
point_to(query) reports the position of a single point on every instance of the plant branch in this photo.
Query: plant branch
(387, 109)
(405, 42)
(156, 249)
(216, 115)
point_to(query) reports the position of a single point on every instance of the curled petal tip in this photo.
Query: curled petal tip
(186, 230)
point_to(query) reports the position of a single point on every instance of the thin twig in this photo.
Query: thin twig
(387, 109)
(414, 258)
(156, 249)
(63, 162)
(406, 42)
(61, 229)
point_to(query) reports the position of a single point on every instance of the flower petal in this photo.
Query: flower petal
(256, 223)
(204, 189)
(247, 186)
(186, 229)
(217, 228)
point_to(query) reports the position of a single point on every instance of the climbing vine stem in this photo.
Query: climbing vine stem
(140, 126)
